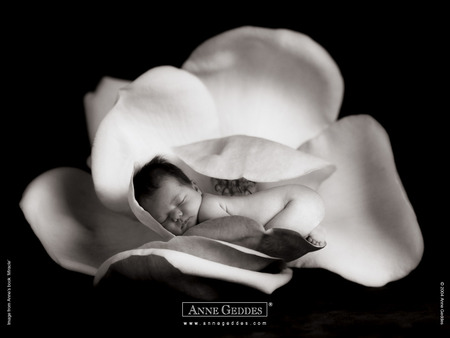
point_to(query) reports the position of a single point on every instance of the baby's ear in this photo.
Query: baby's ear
(195, 186)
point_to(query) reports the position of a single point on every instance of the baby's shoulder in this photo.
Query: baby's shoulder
(212, 207)
(209, 199)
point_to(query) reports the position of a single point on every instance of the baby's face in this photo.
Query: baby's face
(175, 206)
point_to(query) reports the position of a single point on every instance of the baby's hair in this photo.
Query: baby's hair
(148, 179)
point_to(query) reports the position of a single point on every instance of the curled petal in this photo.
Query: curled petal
(372, 232)
(253, 158)
(144, 216)
(98, 103)
(194, 256)
(276, 84)
(76, 230)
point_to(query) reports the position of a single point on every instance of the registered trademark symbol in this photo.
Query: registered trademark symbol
(270, 304)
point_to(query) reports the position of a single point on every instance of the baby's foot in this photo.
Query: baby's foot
(238, 187)
(285, 244)
(317, 236)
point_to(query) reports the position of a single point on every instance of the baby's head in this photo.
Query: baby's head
(164, 191)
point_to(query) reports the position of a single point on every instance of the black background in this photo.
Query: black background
(393, 64)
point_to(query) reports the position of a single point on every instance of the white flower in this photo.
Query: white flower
(252, 102)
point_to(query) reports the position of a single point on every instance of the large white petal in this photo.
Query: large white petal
(372, 232)
(275, 84)
(163, 108)
(76, 230)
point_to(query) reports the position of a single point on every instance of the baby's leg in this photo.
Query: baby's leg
(303, 214)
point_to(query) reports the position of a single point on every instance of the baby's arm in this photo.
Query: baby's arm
(236, 231)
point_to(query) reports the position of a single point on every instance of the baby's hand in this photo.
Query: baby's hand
(238, 187)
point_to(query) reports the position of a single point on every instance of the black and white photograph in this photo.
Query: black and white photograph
(226, 172)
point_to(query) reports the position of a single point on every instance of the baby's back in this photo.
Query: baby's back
(261, 206)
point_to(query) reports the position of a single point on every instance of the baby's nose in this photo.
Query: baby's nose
(176, 214)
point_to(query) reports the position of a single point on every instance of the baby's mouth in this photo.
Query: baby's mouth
(185, 224)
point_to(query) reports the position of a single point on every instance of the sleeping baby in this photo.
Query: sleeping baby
(280, 222)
